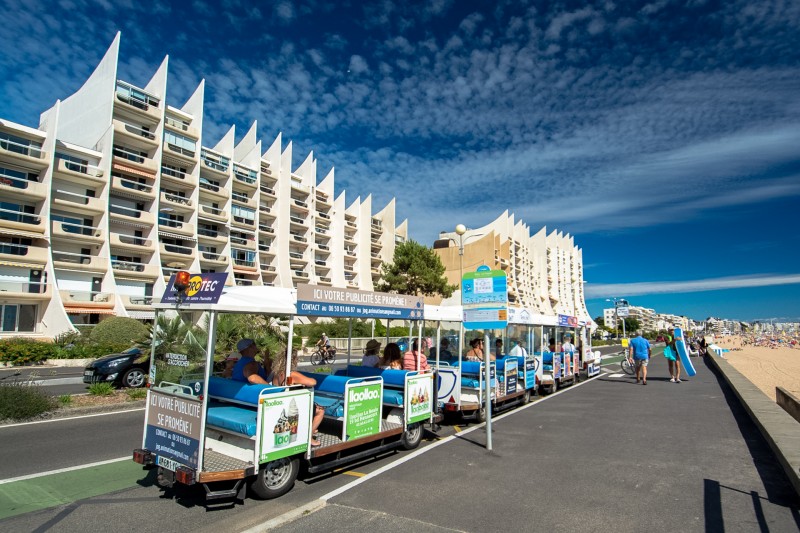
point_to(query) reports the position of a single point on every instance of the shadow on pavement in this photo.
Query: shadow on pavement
(775, 482)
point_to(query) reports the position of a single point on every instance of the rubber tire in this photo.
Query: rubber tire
(316, 358)
(285, 470)
(480, 415)
(526, 398)
(134, 378)
(627, 368)
(554, 387)
(412, 436)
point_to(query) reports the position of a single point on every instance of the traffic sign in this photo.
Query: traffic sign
(623, 312)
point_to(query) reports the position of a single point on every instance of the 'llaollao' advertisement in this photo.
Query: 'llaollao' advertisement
(419, 392)
(285, 424)
(362, 410)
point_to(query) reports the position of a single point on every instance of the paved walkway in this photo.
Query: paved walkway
(607, 455)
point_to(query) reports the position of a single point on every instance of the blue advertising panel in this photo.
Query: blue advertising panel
(530, 373)
(568, 321)
(203, 289)
(484, 297)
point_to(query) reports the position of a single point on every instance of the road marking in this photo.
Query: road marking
(457, 428)
(71, 418)
(617, 375)
(68, 469)
(416, 453)
(354, 474)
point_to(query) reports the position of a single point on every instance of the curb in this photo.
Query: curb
(69, 412)
(781, 431)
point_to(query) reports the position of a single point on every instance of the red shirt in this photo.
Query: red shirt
(410, 361)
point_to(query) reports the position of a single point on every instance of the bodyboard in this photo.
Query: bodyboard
(686, 361)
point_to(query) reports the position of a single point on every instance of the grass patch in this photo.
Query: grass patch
(65, 400)
(101, 389)
(136, 394)
(20, 402)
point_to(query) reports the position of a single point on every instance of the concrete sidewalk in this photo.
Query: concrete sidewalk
(605, 455)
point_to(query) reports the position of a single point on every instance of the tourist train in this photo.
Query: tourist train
(233, 436)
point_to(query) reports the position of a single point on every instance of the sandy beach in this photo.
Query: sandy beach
(766, 367)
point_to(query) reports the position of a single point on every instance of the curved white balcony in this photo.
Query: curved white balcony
(23, 153)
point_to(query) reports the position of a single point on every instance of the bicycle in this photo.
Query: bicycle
(320, 358)
(627, 364)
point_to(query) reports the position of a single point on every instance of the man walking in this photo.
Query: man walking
(640, 350)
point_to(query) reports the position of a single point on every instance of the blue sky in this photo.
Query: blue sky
(665, 136)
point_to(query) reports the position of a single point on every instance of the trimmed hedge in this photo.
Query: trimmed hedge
(119, 330)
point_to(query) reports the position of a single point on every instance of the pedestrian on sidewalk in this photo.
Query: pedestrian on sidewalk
(641, 351)
(672, 356)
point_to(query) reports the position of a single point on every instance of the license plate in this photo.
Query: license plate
(167, 463)
(88, 373)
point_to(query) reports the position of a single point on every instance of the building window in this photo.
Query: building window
(19, 318)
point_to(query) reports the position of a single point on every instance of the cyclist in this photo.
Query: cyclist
(323, 344)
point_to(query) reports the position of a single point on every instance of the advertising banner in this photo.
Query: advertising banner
(173, 429)
(203, 289)
(567, 364)
(362, 409)
(318, 300)
(511, 376)
(568, 321)
(485, 299)
(418, 398)
(285, 424)
(531, 369)
(556, 366)
(449, 389)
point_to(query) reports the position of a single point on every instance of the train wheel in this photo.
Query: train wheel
(412, 436)
(275, 478)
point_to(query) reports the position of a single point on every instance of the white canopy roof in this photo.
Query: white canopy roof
(248, 299)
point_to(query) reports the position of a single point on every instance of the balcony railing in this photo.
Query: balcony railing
(127, 266)
(300, 203)
(177, 199)
(124, 153)
(300, 273)
(244, 262)
(135, 185)
(125, 211)
(140, 300)
(135, 96)
(243, 220)
(297, 220)
(320, 262)
(28, 287)
(210, 187)
(72, 197)
(78, 229)
(72, 257)
(241, 240)
(135, 130)
(175, 173)
(324, 216)
(135, 241)
(296, 255)
(268, 190)
(213, 211)
(181, 150)
(80, 168)
(85, 296)
(177, 124)
(210, 233)
(22, 149)
(298, 238)
(178, 249)
(13, 181)
(245, 175)
(263, 247)
(11, 248)
(18, 216)
(323, 247)
(211, 163)
(266, 229)
(321, 231)
(211, 256)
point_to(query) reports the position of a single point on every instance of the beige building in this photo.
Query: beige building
(115, 190)
(544, 271)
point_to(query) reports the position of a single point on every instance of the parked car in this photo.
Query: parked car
(126, 369)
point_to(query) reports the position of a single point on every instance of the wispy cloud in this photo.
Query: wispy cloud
(607, 290)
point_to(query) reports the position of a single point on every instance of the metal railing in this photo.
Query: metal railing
(213, 210)
(13, 181)
(297, 220)
(127, 266)
(85, 296)
(175, 173)
(178, 249)
(22, 149)
(209, 186)
(245, 175)
(177, 199)
(89, 170)
(177, 124)
(147, 134)
(135, 241)
(212, 256)
(78, 229)
(268, 190)
(300, 203)
(244, 262)
(135, 185)
(19, 216)
(10, 248)
(213, 164)
(72, 197)
(28, 287)
(72, 257)
(210, 233)
(129, 155)
(181, 150)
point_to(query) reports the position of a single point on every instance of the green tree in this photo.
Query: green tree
(415, 270)
(631, 325)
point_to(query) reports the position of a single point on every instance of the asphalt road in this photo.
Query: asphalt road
(55, 444)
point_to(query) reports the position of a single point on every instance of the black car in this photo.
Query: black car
(128, 369)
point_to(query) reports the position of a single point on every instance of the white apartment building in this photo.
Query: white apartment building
(645, 316)
(115, 190)
(544, 271)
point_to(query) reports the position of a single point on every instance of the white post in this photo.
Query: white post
(349, 340)
(488, 398)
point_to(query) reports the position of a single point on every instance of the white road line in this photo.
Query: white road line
(459, 435)
(68, 469)
(617, 375)
(71, 418)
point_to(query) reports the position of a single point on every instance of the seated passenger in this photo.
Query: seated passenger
(371, 358)
(230, 362)
(444, 351)
(518, 348)
(416, 358)
(392, 357)
(249, 370)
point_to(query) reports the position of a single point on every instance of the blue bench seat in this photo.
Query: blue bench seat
(237, 419)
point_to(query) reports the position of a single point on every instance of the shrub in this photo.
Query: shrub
(84, 350)
(136, 394)
(119, 330)
(20, 402)
(101, 389)
(20, 351)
